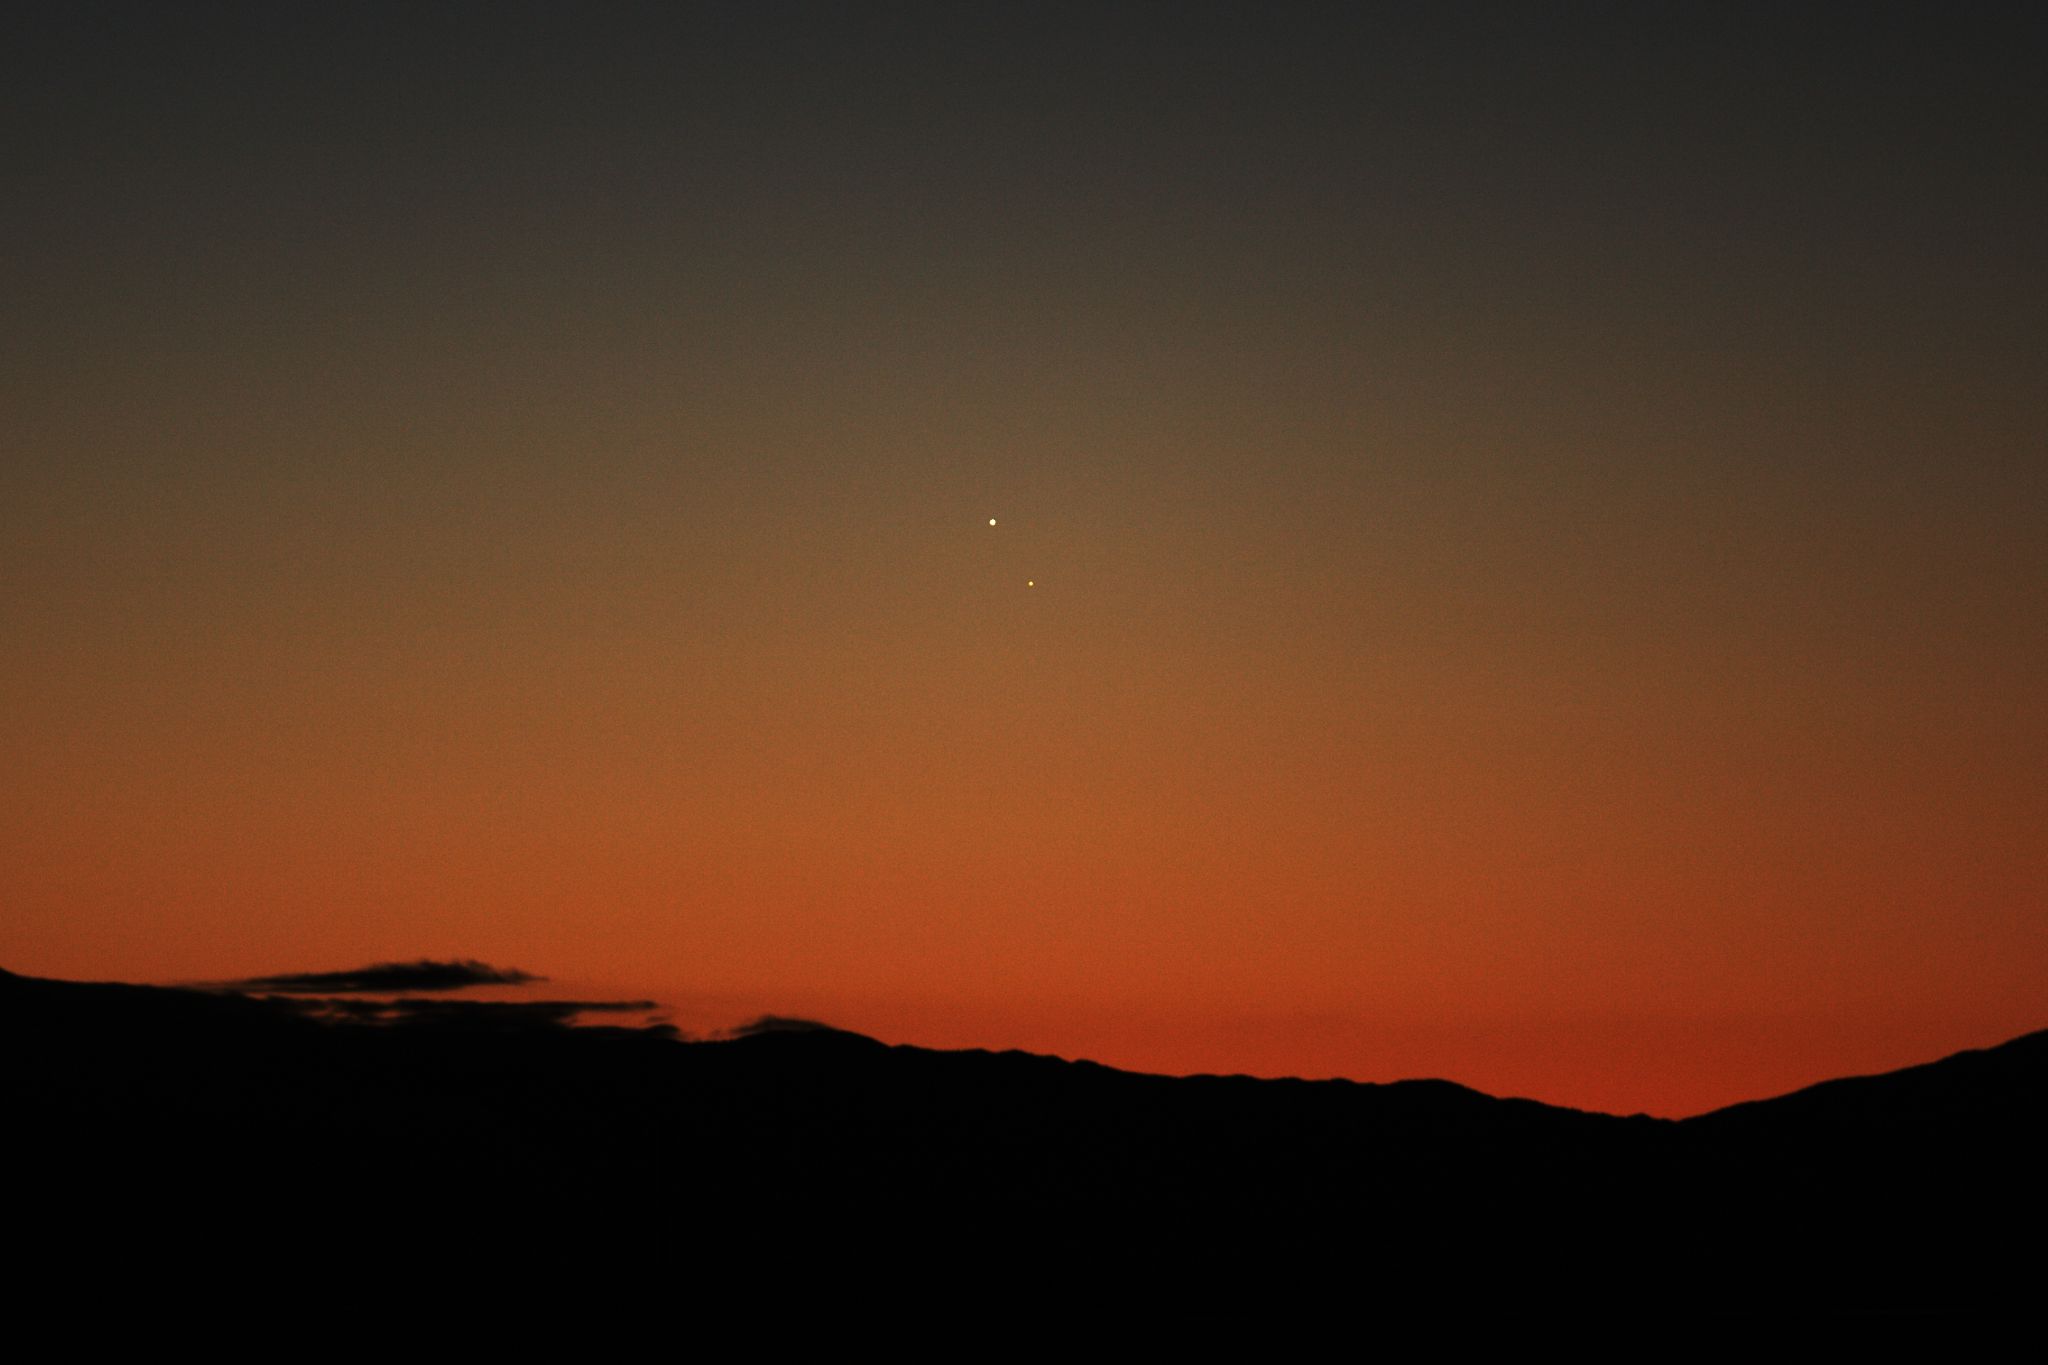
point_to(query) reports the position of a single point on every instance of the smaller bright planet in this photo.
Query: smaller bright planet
(991, 521)
(1030, 582)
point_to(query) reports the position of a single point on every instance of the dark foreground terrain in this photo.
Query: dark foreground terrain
(212, 1120)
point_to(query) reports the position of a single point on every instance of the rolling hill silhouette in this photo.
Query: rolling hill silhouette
(160, 1107)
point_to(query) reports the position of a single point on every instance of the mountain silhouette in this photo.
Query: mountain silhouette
(163, 1107)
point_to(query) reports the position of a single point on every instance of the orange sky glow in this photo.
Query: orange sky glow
(1501, 568)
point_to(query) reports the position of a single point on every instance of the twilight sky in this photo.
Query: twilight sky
(1535, 513)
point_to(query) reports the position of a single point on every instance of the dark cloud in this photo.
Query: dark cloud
(423, 975)
(367, 1010)
(493, 1016)
(778, 1023)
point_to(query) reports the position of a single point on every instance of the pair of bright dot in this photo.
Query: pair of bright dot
(1029, 582)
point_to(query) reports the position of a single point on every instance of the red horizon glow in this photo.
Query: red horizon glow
(1506, 550)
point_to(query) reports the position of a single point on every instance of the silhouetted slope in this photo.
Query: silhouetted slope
(154, 1105)
(1928, 1181)
(1997, 1089)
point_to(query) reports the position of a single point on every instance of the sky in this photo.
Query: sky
(1517, 554)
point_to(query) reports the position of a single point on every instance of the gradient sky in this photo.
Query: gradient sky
(1535, 513)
